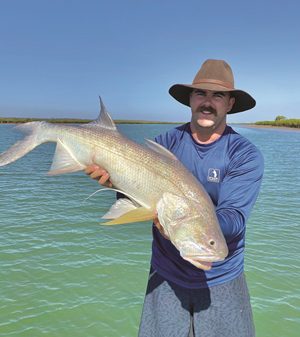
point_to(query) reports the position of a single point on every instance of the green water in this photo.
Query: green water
(62, 274)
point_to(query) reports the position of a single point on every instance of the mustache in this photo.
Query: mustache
(207, 108)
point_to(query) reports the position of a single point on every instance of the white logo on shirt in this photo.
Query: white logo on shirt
(213, 175)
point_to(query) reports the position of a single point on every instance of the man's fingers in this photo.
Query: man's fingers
(91, 168)
(98, 173)
(104, 180)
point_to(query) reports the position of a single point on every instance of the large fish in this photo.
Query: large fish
(152, 178)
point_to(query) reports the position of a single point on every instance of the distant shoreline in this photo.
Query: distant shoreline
(16, 120)
(256, 126)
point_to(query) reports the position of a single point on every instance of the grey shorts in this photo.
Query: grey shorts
(173, 311)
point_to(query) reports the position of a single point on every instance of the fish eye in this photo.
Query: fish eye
(212, 242)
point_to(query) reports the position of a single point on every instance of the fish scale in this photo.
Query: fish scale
(152, 179)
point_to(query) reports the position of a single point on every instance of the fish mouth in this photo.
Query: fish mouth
(200, 256)
(204, 265)
(202, 262)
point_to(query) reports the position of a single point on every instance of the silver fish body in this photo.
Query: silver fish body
(154, 180)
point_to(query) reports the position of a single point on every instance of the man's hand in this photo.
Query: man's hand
(98, 173)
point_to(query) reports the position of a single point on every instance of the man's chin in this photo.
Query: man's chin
(206, 123)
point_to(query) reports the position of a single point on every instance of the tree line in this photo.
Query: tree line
(282, 121)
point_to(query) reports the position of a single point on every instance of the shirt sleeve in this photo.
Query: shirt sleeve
(239, 191)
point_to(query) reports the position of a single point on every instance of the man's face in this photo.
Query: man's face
(209, 108)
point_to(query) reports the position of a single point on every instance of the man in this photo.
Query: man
(182, 300)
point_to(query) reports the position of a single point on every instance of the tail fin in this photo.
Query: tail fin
(22, 147)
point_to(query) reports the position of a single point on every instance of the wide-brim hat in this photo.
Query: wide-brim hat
(215, 75)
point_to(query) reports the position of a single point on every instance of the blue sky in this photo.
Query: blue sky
(57, 56)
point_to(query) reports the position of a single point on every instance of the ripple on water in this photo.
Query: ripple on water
(62, 274)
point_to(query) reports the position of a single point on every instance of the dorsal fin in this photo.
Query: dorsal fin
(159, 149)
(104, 120)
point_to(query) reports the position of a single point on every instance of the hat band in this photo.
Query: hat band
(223, 84)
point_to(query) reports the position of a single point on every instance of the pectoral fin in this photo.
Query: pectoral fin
(64, 161)
(119, 208)
(136, 215)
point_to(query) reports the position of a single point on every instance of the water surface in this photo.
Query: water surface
(62, 274)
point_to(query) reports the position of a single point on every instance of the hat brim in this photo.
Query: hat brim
(243, 101)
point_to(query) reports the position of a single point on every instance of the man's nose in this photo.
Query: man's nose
(207, 101)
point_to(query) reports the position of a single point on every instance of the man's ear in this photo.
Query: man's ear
(231, 103)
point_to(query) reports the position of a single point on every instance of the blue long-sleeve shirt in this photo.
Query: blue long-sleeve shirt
(231, 170)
